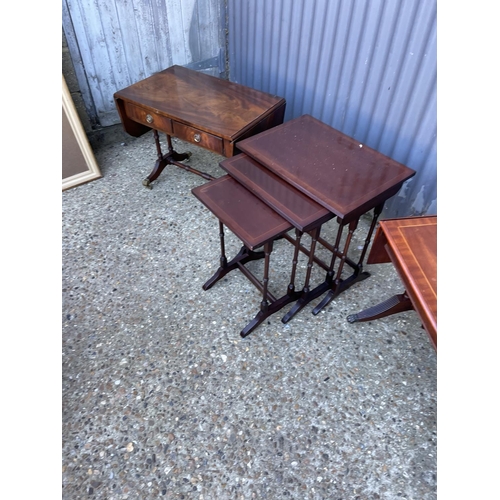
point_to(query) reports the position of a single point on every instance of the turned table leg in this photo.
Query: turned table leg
(244, 255)
(340, 285)
(171, 158)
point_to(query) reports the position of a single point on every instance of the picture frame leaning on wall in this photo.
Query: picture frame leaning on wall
(78, 161)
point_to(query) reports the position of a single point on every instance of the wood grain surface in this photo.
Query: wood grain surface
(346, 177)
(205, 102)
(411, 245)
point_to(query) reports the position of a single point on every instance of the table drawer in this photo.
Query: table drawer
(195, 136)
(148, 118)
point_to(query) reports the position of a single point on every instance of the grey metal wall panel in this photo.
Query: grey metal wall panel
(365, 67)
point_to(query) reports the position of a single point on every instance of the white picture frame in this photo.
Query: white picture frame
(78, 145)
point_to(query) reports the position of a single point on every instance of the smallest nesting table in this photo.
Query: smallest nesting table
(253, 222)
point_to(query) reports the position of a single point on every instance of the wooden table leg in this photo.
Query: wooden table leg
(306, 295)
(396, 304)
(291, 287)
(171, 158)
(291, 295)
(269, 304)
(340, 285)
(335, 288)
(322, 287)
(243, 256)
(265, 309)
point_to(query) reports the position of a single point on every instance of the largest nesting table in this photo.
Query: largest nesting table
(201, 109)
(306, 172)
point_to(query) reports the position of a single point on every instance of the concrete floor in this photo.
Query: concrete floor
(161, 396)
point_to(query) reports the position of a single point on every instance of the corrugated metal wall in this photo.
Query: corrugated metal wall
(365, 67)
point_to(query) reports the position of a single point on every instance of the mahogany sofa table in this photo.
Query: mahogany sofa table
(411, 245)
(201, 109)
(345, 177)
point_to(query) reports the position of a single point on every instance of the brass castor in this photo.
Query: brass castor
(147, 184)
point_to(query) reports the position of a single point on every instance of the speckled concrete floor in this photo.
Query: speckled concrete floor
(162, 398)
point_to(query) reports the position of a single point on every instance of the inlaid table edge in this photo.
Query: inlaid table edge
(386, 250)
(231, 224)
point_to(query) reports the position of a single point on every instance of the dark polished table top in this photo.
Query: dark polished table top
(232, 203)
(335, 170)
(212, 104)
(293, 205)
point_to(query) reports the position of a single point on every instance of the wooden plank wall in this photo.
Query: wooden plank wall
(115, 43)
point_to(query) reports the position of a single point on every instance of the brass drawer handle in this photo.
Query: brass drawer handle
(197, 137)
(149, 118)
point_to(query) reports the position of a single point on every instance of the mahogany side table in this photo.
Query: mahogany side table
(411, 245)
(201, 109)
(256, 225)
(347, 178)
